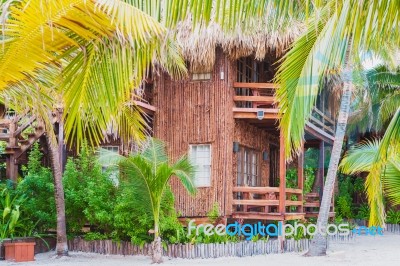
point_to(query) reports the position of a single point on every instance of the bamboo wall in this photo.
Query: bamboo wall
(195, 112)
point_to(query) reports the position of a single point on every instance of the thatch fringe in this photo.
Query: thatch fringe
(198, 44)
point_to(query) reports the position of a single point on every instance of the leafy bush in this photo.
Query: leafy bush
(344, 199)
(359, 184)
(309, 174)
(214, 214)
(38, 189)
(133, 222)
(92, 198)
(89, 194)
(393, 217)
(363, 212)
(343, 207)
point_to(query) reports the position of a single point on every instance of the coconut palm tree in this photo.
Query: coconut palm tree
(361, 158)
(148, 172)
(79, 67)
(339, 33)
(381, 164)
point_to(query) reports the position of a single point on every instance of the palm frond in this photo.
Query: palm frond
(185, 171)
(360, 157)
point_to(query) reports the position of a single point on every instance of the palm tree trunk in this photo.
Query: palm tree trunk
(62, 246)
(156, 246)
(319, 242)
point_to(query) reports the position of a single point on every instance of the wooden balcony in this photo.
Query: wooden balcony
(264, 203)
(256, 103)
(251, 98)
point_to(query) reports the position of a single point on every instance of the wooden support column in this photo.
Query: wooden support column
(282, 176)
(12, 167)
(321, 168)
(300, 176)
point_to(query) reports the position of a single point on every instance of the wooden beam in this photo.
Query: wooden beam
(321, 124)
(255, 85)
(4, 122)
(263, 99)
(294, 216)
(258, 216)
(239, 115)
(4, 136)
(146, 107)
(256, 202)
(294, 203)
(312, 204)
(324, 116)
(256, 190)
(24, 126)
(319, 133)
(255, 110)
(294, 190)
(282, 175)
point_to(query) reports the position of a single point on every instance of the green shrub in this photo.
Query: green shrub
(363, 212)
(393, 217)
(309, 174)
(344, 199)
(89, 194)
(38, 188)
(291, 178)
(214, 214)
(133, 222)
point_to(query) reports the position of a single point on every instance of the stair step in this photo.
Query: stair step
(24, 141)
(32, 135)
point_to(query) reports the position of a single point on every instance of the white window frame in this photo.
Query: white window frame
(201, 181)
(201, 76)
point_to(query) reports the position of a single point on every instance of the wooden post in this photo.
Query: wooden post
(12, 167)
(282, 176)
(282, 187)
(321, 168)
(300, 176)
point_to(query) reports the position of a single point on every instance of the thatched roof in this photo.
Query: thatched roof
(198, 45)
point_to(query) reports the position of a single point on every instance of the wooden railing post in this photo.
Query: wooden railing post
(300, 177)
(282, 175)
(321, 166)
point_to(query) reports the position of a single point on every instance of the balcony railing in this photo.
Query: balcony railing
(257, 101)
(263, 203)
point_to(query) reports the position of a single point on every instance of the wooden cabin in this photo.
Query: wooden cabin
(226, 120)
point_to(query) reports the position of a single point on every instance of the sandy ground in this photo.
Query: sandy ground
(364, 250)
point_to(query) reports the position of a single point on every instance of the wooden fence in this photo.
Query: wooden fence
(204, 251)
(393, 228)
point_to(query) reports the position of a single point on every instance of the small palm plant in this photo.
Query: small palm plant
(149, 172)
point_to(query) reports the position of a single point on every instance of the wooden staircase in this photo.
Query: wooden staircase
(20, 133)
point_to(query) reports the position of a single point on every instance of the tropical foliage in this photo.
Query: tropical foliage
(148, 173)
(361, 158)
